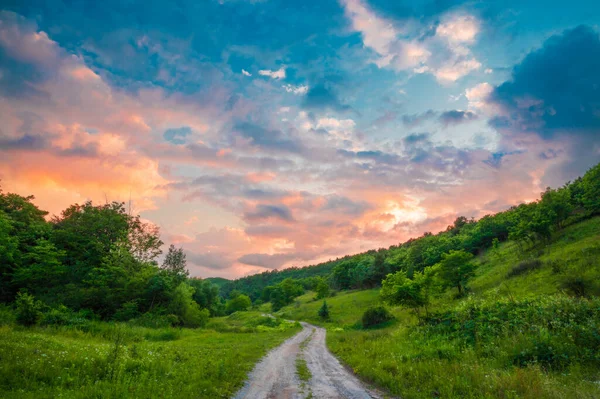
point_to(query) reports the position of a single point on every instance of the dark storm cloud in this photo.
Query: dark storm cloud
(556, 88)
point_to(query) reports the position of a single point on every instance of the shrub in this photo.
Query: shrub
(28, 309)
(128, 311)
(60, 316)
(576, 286)
(525, 267)
(375, 316)
(324, 311)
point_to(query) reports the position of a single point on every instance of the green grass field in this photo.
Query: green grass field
(124, 361)
(512, 337)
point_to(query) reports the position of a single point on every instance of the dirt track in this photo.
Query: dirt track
(274, 377)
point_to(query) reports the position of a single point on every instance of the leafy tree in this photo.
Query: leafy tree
(175, 263)
(206, 294)
(557, 205)
(324, 311)
(238, 304)
(456, 269)
(144, 240)
(591, 190)
(41, 270)
(322, 289)
(87, 234)
(278, 298)
(398, 289)
(186, 309)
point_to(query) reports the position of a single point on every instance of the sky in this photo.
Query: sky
(267, 134)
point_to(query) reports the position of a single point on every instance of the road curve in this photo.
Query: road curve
(274, 377)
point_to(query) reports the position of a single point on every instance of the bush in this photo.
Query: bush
(324, 311)
(375, 316)
(60, 316)
(128, 311)
(29, 311)
(576, 286)
(525, 267)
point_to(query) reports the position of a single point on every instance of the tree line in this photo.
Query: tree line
(95, 262)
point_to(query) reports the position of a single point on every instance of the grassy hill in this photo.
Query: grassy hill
(521, 332)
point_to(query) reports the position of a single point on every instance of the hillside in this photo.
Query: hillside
(522, 331)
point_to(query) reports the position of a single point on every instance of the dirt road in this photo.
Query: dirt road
(275, 376)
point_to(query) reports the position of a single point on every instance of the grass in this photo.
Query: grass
(516, 335)
(345, 309)
(124, 361)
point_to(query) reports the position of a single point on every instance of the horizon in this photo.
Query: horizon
(262, 135)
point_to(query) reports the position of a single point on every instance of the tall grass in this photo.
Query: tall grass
(108, 360)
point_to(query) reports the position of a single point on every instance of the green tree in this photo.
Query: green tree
(175, 263)
(238, 304)
(456, 269)
(322, 289)
(591, 190)
(278, 298)
(29, 311)
(398, 289)
(41, 271)
(324, 311)
(186, 309)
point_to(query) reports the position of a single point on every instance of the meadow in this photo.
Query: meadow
(520, 332)
(121, 360)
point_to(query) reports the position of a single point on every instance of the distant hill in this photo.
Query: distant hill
(218, 281)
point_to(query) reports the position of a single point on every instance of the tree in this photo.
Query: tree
(41, 270)
(456, 269)
(557, 205)
(175, 263)
(238, 304)
(144, 240)
(591, 190)
(28, 309)
(324, 311)
(278, 298)
(87, 233)
(322, 289)
(398, 289)
(186, 309)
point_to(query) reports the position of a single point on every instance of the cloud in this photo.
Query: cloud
(298, 90)
(417, 119)
(177, 135)
(246, 73)
(478, 94)
(278, 74)
(268, 261)
(553, 96)
(210, 260)
(555, 89)
(264, 211)
(323, 96)
(413, 48)
(455, 117)
(267, 138)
